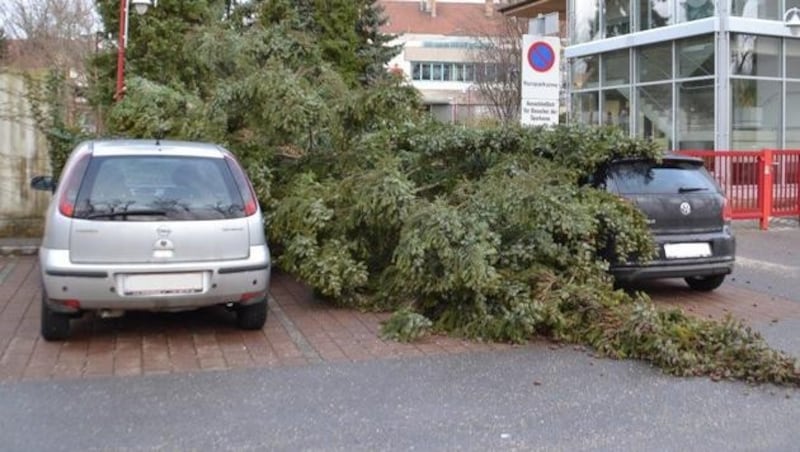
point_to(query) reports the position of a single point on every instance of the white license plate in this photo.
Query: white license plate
(162, 284)
(686, 250)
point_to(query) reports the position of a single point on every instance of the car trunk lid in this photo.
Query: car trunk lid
(116, 242)
(158, 208)
(681, 214)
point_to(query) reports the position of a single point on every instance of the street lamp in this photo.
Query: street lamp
(140, 6)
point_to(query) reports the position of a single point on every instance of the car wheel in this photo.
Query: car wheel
(55, 325)
(705, 283)
(252, 317)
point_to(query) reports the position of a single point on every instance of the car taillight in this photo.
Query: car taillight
(66, 207)
(250, 207)
(71, 304)
(250, 295)
(727, 211)
(72, 183)
(245, 188)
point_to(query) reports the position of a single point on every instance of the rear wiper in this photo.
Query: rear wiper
(123, 213)
(691, 189)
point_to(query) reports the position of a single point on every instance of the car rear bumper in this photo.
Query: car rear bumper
(101, 286)
(629, 273)
(721, 262)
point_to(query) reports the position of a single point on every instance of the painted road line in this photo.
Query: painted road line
(7, 269)
(770, 266)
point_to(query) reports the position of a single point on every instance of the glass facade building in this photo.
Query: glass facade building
(690, 74)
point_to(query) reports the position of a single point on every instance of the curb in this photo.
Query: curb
(12, 246)
(19, 250)
(778, 223)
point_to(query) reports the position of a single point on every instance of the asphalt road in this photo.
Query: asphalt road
(529, 399)
(532, 398)
(768, 261)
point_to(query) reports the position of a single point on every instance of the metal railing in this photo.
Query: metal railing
(758, 184)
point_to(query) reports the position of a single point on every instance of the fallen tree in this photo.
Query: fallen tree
(492, 234)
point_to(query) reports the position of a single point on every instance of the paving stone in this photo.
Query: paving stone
(300, 330)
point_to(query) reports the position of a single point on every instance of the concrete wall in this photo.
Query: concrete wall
(23, 154)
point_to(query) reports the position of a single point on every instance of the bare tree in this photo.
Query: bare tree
(49, 44)
(50, 33)
(498, 74)
(34, 19)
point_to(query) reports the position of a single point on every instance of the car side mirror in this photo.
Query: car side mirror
(44, 183)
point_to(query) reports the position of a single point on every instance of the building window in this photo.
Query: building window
(696, 114)
(616, 68)
(792, 120)
(586, 22)
(436, 72)
(416, 71)
(655, 13)
(690, 10)
(757, 9)
(696, 57)
(654, 113)
(655, 62)
(793, 58)
(617, 107)
(585, 108)
(585, 72)
(469, 73)
(617, 17)
(426, 71)
(456, 72)
(756, 114)
(755, 55)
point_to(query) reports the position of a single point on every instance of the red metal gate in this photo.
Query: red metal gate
(758, 184)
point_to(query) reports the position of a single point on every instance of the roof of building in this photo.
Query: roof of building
(532, 8)
(451, 19)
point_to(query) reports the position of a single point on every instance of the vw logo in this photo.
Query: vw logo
(686, 209)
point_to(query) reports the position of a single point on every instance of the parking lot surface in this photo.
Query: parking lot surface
(300, 330)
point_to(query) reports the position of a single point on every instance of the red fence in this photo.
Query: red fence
(758, 184)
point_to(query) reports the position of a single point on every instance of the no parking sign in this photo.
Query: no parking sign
(541, 80)
(541, 56)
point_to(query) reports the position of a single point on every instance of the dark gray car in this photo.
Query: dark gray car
(688, 215)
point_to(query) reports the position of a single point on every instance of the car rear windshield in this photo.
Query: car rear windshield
(158, 188)
(668, 177)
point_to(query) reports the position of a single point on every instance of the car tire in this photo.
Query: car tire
(705, 283)
(252, 317)
(54, 325)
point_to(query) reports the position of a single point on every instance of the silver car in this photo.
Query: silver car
(149, 225)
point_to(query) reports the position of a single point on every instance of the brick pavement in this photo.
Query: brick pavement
(299, 330)
(750, 306)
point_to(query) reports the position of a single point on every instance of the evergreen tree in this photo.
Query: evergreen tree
(374, 50)
(347, 33)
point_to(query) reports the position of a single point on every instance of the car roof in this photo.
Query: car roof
(665, 158)
(120, 147)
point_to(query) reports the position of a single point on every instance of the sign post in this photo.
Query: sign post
(541, 80)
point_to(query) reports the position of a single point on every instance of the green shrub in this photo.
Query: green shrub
(405, 326)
